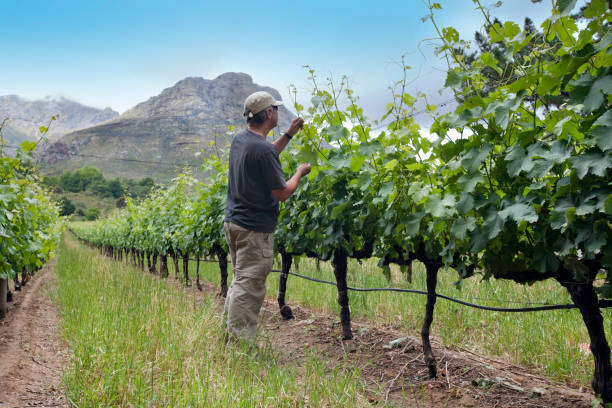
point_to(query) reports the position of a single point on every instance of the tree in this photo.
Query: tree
(69, 182)
(66, 207)
(92, 213)
(115, 188)
(87, 176)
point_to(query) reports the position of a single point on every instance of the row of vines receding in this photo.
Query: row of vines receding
(29, 220)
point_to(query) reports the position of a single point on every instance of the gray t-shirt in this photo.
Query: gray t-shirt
(254, 171)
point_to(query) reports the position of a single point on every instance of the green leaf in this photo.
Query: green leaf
(511, 29)
(502, 112)
(391, 164)
(566, 6)
(559, 216)
(593, 162)
(412, 223)
(335, 133)
(369, 149)
(489, 60)
(363, 181)
(518, 161)
(450, 35)
(339, 161)
(519, 212)
(356, 162)
(453, 80)
(493, 224)
(602, 137)
(414, 166)
(336, 212)
(595, 8)
(27, 146)
(608, 205)
(466, 203)
(478, 240)
(317, 100)
(547, 83)
(307, 156)
(435, 206)
(385, 190)
(468, 182)
(596, 242)
(604, 43)
(595, 97)
(461, 226)
(475, 157)
(418, 191)
(604, 120)
(545, 261)
(495, 33)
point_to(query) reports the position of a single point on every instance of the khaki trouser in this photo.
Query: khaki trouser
(252, 258)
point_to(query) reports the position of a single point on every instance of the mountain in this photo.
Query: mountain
(168, 129)
(25, 117)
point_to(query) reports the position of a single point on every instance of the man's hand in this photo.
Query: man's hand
(281, 142)
(296, 125)
(304, 169)
(292, 185)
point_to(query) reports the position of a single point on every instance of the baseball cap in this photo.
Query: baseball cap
(258, 101)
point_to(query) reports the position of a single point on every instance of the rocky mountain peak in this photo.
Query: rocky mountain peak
(170, 127)
(26, 116)
(219, 100)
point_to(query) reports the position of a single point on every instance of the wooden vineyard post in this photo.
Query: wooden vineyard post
(340, 267)
(432, 279)
(3, 292)
(174, 257)
(584, 296)
(186, 268)
(163, 266)
(153, 267)
(148, 259)
(198, 285)
(285, 310)
(222, 259)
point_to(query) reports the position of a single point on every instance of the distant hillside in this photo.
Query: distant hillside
(169, 128)
(25, 117)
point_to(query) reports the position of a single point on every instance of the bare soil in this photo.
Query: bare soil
(391, 364)
(31, 354)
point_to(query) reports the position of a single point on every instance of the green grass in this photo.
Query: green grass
(138, 341)
(546, 341)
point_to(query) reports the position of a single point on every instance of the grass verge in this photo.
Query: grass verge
(138, 341)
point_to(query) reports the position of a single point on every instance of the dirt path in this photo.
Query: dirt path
(392, 365)
(31, 354)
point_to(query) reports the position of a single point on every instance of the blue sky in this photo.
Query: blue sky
(119, 53)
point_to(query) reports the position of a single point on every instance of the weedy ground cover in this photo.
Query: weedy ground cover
(138, 341)
(553, 342)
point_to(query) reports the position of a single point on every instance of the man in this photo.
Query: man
(256, 184)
